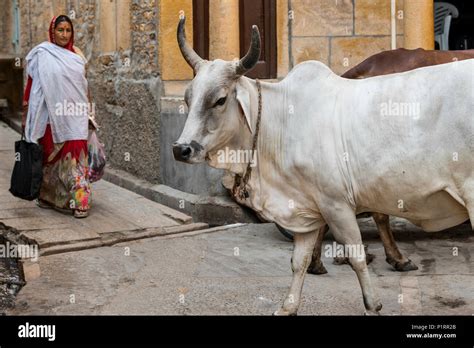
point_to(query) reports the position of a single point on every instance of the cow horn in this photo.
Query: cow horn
(251, 58)
(188, 53)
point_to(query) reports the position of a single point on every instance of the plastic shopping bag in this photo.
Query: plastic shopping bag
(97, 158)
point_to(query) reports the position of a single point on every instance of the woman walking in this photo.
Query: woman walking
(56, 115)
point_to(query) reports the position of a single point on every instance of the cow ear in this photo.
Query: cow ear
(243, 98)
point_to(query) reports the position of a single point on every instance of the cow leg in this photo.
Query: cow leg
(316, 266)
(470, 204)
(393, 255)
(303, 247)
(343, 225)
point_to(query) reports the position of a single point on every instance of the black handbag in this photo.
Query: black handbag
(28, 170)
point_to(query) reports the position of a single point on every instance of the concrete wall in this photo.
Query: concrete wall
(197, 179)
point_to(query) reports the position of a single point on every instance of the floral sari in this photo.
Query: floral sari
(65, 173)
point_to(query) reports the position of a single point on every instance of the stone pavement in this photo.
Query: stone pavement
(116, 215)
(245, 270)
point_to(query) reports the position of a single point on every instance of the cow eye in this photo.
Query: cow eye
(220, 101)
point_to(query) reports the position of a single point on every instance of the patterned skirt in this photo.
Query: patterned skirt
(65, 173)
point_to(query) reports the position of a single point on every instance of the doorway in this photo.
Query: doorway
(251, 12)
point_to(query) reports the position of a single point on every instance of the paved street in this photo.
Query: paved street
(246, 270)
(135, 256)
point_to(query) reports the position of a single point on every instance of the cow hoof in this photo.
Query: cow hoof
(403, 266)
(340, 260)
(317, 268)
(406, 266)
(372, 312)
(284, 312)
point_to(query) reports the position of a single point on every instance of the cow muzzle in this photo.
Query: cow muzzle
(186, 152)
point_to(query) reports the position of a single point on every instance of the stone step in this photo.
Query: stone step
(107, 239)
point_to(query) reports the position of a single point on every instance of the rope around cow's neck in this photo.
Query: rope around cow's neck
(240, 184)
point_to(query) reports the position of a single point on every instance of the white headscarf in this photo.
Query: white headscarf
(58, 94)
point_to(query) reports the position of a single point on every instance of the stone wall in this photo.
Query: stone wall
(126, 87)
(341, 33)
(10, 67)
(6, 24)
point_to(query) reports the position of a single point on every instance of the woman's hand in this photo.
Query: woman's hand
(92, 122)
(91, 125)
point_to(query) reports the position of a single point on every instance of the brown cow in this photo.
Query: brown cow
(401, 59)
(384, 63)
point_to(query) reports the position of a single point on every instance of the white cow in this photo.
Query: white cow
(329, 148)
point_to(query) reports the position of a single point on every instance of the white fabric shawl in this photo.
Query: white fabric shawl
(58, 94)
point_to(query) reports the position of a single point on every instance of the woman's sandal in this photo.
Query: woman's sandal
(81, 213)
